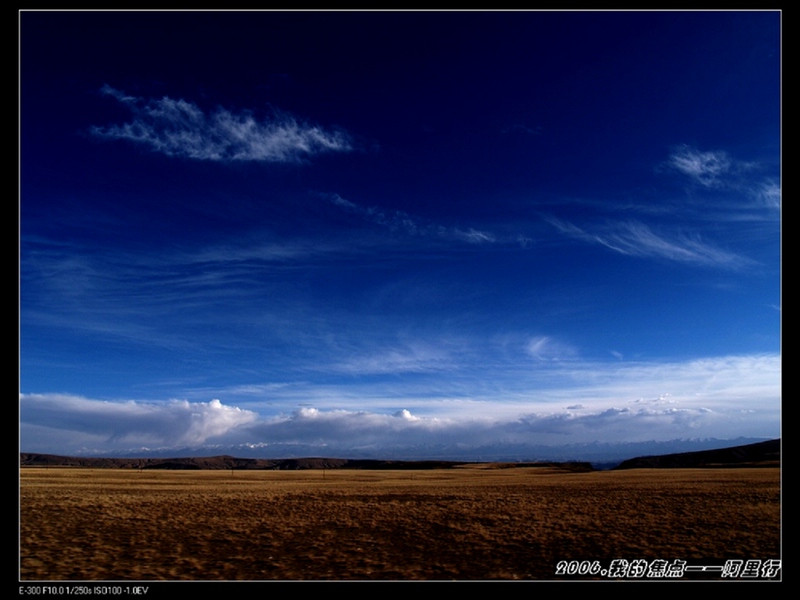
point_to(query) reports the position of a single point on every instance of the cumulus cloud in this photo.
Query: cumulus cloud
(352, 429)
(406, 415)
(569, 402)
(342, 430)
(171, 423)
(181, 128)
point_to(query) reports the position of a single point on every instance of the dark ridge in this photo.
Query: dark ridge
(225, 462)
(761, 454)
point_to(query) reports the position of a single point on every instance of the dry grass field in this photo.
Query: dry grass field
(464, 524)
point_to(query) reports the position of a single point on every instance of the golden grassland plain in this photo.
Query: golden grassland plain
(464, 523)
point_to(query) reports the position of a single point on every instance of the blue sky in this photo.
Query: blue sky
(348, 232)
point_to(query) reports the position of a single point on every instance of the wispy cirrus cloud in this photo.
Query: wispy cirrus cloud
(180, 128)
(414, 358)
(397, 220)
(633, 238)
(769, 194)
(546, 348)
(706, 168)
(717, 170)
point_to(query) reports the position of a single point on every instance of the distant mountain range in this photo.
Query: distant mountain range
(253, 464)
(601, 454)
(749, 455)
(762, 454)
